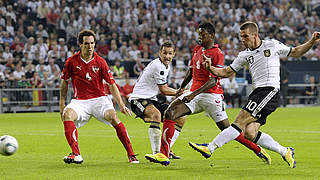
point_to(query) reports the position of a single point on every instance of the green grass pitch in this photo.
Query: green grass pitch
(42, 146)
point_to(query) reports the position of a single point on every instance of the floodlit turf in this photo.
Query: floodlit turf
(42, 146)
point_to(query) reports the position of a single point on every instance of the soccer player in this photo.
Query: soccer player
(205, 94)
(87, 71)
(143, 100)
(263, 59)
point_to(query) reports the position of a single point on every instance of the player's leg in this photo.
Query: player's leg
(174, 113)
(265, 140)
(153, 116)
(111, 116)
(71, 133)
(177, 130)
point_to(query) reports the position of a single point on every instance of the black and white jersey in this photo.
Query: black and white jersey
(263, 63)
(153, 75)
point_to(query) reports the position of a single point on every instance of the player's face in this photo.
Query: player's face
(205, 39)
(248, 38)
(87, 47)
(166, 55)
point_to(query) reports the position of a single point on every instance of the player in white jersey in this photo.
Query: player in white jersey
(263, 59)
(151, 82)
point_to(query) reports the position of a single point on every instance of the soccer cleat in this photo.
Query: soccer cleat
(289, 157)
(73, 158)
(133, 159)
(201, 148)
(173, 156)
(158, 158)
(264, 156)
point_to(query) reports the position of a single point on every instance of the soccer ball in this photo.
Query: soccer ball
(8, 145)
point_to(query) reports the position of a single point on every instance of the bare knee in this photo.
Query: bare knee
(169, 114)
(111, 117)
(69, 115)
(250, 134)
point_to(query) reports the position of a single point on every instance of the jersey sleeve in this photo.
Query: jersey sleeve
(67, 70)
(217, 61)
(238, 63)
(159, 75)
(282, 49)
(106, 73)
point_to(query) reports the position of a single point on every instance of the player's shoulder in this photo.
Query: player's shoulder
(73, 57)
(197, 47)
(271, 42)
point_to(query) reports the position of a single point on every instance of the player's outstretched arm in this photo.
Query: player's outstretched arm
(116, 95)
(63, 95)
(185, 82)
(303, 48)
(219, 72)
(208, 85)
(166, 90)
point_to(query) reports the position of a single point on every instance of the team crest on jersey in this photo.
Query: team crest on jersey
(267, 53)
(95, 69)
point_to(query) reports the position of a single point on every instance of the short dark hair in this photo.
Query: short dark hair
(208, 27)
(86, 32)
(168, 43)
(252, 26)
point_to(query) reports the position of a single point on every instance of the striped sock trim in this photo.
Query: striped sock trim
(264, 102)
(236, 127)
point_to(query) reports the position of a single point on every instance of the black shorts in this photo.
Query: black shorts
(262, 102)
(139, 105)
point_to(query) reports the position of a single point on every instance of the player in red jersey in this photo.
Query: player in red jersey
(87, 71)
(206, 94)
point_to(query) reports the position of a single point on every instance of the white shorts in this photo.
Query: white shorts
(211, 103)
(91, 107)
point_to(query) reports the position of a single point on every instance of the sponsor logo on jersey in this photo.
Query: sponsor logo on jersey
(78, 67)
(267, 53)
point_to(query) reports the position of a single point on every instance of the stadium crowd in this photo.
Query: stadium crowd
(37, 36)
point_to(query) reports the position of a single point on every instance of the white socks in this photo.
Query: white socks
(155, 139)
(175, 137)
(223, 137)
(268, 142)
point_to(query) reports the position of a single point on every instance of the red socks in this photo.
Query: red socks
(249, 144)
(124, 138)
(71, 134)
(167, 134)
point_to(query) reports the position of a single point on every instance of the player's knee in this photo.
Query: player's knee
(249, 134)
(169, 114)
(156, 117)
(69, 115)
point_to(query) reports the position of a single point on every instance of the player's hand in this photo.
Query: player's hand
(188, 98)
(316, 36)
(179, 92)
(126, 111)
(206, 62)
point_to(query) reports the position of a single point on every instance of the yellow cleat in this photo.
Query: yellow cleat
(201, 148)
(158, 158)
(289, 157)
(264, 156)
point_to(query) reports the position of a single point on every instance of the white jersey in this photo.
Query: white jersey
(263, 63)
(153, 75)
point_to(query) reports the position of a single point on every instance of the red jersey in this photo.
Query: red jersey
(200, 74)
(87, 76)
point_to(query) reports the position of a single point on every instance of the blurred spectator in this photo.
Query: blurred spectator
(114, 54)
(127, 88)
(138, 67)
(284, 81)
(311, 91)
(231, 91)
(119, 70)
